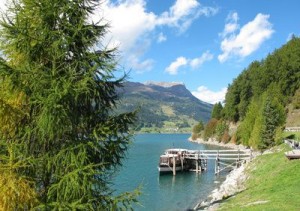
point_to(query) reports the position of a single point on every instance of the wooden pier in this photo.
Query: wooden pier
(197, 160)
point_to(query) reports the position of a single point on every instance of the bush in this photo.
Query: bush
(221, 128)
(234, 139)
(194, 136)
(226, 137)
(210, 128)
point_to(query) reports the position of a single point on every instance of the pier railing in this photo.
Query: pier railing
(224, 159)
(221, 154)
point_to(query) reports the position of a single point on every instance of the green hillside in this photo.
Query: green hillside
(259, 100)
(163, 107)
(273, 184)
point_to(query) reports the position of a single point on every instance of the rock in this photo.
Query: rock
(233, 183)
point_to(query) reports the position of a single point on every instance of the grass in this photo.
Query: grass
(168, 110)
(293, 117)
(294, 135)
(274, 184)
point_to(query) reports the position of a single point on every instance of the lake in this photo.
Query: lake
(164, 192)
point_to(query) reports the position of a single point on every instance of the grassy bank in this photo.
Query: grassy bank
(273, 184)
(292, 135)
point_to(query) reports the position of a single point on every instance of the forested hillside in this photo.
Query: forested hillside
(257, 100)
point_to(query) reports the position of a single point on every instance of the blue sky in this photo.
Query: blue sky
(203, 43)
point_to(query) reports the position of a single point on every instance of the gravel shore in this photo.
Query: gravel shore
(233, 183)
(213, 141)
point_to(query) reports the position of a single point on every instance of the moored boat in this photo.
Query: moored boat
(170, 158)
(294, 154)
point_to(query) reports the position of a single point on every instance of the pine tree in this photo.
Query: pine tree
(273, 117)
(217, 111)
(197, 129)
(247, 125)
(67, 137)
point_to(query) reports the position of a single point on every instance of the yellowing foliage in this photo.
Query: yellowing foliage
(11, 112)
(16, 192)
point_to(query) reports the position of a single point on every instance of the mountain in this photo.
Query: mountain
(163, 107)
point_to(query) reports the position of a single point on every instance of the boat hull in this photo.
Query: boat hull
(166, 169)
(294, 154)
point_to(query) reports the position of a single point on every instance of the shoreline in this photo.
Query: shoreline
(233, 184)
(213, 141)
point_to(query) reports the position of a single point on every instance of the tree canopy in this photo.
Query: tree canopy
(257, 98)
(217, 111)
(280, 71)
(59, 135)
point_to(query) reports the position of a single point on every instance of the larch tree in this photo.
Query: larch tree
(273, 117)
(217, 111)
(59, 134)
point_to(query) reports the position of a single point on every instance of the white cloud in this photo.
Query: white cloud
(140, 66)
(179, 15)
(183, 7)
(231, 26)
(128, 22)
(172, 69)
(183, 13)
(174, 66)
(249, 39)
(161, 38)
(197, 62)
(206, 95)
(131, 23)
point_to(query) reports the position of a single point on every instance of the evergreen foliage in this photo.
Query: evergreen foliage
(296, 100)
(197, 130)
(210, 129)
(217, 111)
(257, 98)
(245, 129)
(280, 71)
(220, 129)
(273, 116)
(60, 139)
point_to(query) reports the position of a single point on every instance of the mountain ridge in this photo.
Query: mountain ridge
(163, 106)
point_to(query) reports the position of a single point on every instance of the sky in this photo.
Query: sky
(203, 43)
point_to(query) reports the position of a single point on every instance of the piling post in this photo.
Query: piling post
(174, 166)
(238, 161)
(197, 164)
(181, 160)
(217, 164)
(200, 162)
(216, 161)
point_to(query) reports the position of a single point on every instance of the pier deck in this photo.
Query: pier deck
(197, 160)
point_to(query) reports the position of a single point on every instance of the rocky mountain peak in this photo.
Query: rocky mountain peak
(163, 84)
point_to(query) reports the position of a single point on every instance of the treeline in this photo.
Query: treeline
(254, 113)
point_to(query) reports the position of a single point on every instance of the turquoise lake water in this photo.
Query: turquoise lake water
(163, 192)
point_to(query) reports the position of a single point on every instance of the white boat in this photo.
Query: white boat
(166, 161)
(294, 154)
